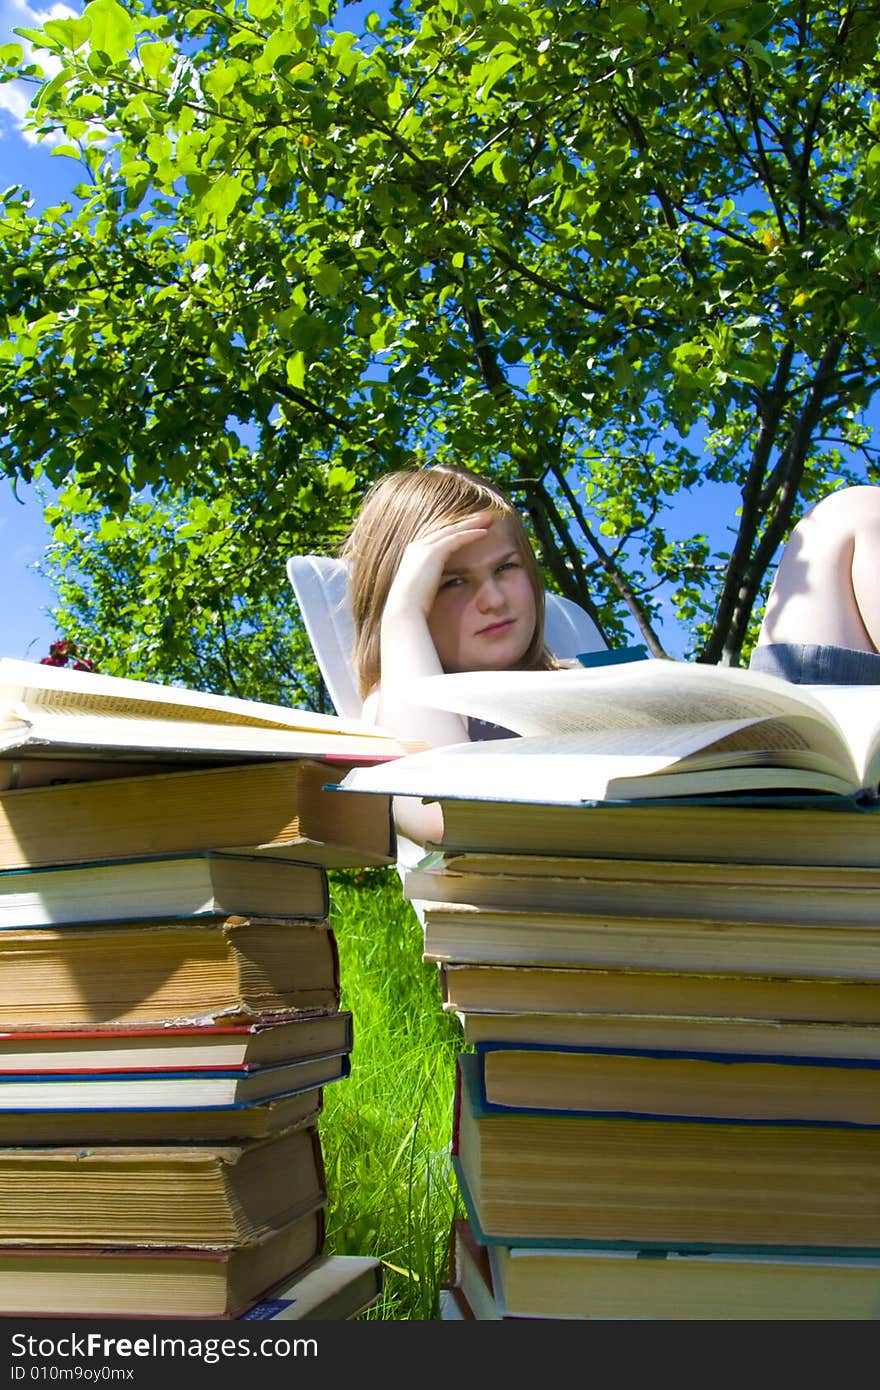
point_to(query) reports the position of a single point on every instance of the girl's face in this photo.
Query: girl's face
(484, 615)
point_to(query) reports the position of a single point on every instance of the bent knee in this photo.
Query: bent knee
(850, 509)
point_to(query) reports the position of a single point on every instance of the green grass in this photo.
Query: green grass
(386, 1129)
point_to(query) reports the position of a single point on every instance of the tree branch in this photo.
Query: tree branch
(753, 499)
(487, 357)
(747, 569)
(611, 570)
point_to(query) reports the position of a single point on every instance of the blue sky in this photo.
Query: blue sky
(25, 628)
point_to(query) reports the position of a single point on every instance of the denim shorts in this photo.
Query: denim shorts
(807, 664)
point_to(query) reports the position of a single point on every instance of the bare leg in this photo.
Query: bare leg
(827, 585)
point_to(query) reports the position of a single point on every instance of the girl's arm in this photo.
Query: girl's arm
(407, 650)
(412, 819)
(406, 647)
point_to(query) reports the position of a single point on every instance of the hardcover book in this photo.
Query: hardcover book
(638, 730)
(688, 1084)
(643, 994)
(634, 1182)
(211, 1195)
(461, 932)
(276, 807)
(470, 1274)
(128, 1128)
(167, 1090)
(554, 1282)
(469, 1295)
(676, 1032)
(766, 893)
(334, 1288)
(149, 889)
(820, 830)
(207, 1047)
(196, 971)
(60, 722)
(174, 1282)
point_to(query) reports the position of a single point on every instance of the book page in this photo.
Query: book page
(568, 768)
(856, 709)
(800, 741)
(27, 685)
(637, 695)
(50, 732)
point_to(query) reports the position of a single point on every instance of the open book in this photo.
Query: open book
(640, 730)
(53, 713)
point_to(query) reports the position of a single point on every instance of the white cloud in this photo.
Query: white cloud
(15, 97)
(14, 100)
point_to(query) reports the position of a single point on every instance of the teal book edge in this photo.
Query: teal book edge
(613, 656)
(468, 1095)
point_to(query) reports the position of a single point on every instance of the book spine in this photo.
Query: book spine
(325, 891)
(334, 953)
(456, 1110)
(452, 1262)
(318, 1153)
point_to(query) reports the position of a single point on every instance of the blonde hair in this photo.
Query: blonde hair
(397, 509)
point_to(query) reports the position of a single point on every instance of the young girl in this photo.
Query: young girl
(442, 578)
(822, 624)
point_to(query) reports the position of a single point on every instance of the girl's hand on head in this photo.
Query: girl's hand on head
(407, 648)
(419, 575)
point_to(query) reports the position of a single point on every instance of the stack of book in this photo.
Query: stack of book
(169, 999)
(670, 982)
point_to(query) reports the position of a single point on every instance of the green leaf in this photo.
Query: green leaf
(47, 92)
(157, 58)
(110, 529)
(221, 78)
(326, 278)
(296, 371)
(341, 52)
(221, 198)
(485, 76)
(341, 480)
(263, 9)
(280, 45)
(112, 29)
(69, 33)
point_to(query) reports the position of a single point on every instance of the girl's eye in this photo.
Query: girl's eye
(450, 582)
(509, 565)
